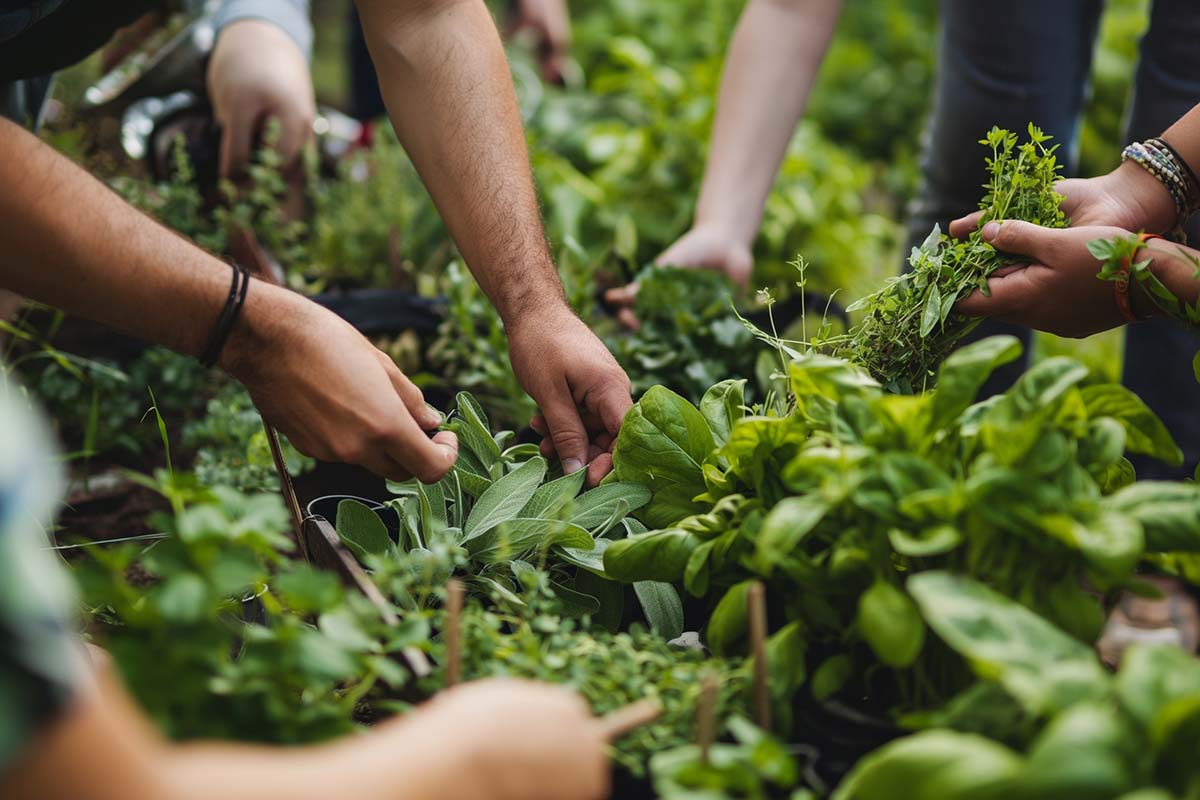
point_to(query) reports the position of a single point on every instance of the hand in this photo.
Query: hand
(505, 739)
(1128, 197)
(550, 23)
(1058, 291)
(257, 72)
(331, 392)
(582, 392)
(703, 247)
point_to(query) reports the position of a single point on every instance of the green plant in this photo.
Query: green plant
(689, 336)
(509, 516)
(835, 505)
(910, 326)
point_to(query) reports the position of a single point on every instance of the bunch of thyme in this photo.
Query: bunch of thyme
(910, 325)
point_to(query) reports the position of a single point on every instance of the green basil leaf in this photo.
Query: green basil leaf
(726, 632)
(891, 624)
(653, 556)
(965, 371)
(722, 406)
(934, 765)
(663, 442)
(1144, 431)
(1169, 513)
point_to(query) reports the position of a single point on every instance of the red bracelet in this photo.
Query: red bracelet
(1121, 284)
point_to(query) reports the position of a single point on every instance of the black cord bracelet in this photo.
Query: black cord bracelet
(228, 316)
(1179, 159)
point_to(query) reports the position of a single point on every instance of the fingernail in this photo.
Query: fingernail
(990, 231)
(572, 465)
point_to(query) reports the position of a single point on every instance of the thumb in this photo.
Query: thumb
(1022, 238)
(566, 428)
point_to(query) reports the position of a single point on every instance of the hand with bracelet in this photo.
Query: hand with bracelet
(317, 379)
(1061, 290)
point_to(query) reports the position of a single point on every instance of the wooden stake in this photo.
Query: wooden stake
(706, 714)
(454, 604)
(616, 724)
(756, 610)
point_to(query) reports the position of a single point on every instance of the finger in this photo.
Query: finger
(566, 428)
(627, 318)
(610, 403)
(427, 459)
(1023, 238)
(605, 441)
(295, 131)
(622, 295)
(600, 466)
(546, 448)
(237, 140)
(410, 395)
(1008, 294)
(963, 226)
(538, 423)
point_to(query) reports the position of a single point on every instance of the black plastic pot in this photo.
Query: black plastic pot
(326, 506)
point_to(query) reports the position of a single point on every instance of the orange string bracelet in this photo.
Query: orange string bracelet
(1121, 284)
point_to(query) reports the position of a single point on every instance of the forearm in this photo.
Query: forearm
(1184, 136)
(115, 754)
(773, 61)
(448, 91)
(68, 241)
(291, 16)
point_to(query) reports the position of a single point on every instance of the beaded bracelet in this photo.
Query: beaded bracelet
(1163, 162)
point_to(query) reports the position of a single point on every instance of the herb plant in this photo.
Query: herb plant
(909, 327)
(835, 505)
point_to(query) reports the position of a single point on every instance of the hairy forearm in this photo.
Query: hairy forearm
(448, 91)
(70, 242)
(772, 65)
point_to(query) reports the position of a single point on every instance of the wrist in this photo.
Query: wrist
(267, 314)
(736, 231)
(1148, 204)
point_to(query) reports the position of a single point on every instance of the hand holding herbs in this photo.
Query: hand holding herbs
(910, 326)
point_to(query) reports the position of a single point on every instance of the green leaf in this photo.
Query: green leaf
(575, 604)
(182, 599)
(662, 607)
(505, 498)
(785, 527)
(597, 506)
(831, 675)
(1042, 667)
(722, 406)
(965, 371)
(361, 529)
(551, 497)
(1085, 752)
(932, 314)
(1169, 513)
(727, 627)
(664, 440)
(591, 559)
(934, 765)
(891, 624)
(653, 556)
(787, 669)
(1196, 367)
(472, 430)
(1145, 432)
(514, 537)
(932, 541)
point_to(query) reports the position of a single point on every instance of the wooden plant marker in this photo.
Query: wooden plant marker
(756, 610)
(706, 714)
(454, 604)
(625, 719)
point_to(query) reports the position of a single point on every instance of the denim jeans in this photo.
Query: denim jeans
(1019, 61)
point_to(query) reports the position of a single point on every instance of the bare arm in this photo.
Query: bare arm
(458, 746)
(69, 241)
(773, 62)
(450, 97)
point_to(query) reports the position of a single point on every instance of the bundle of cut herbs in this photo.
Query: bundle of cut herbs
(910, 325)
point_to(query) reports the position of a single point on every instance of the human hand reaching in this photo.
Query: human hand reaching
(257, 73)
(580, 389)
(703, 247)
(331, 392)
